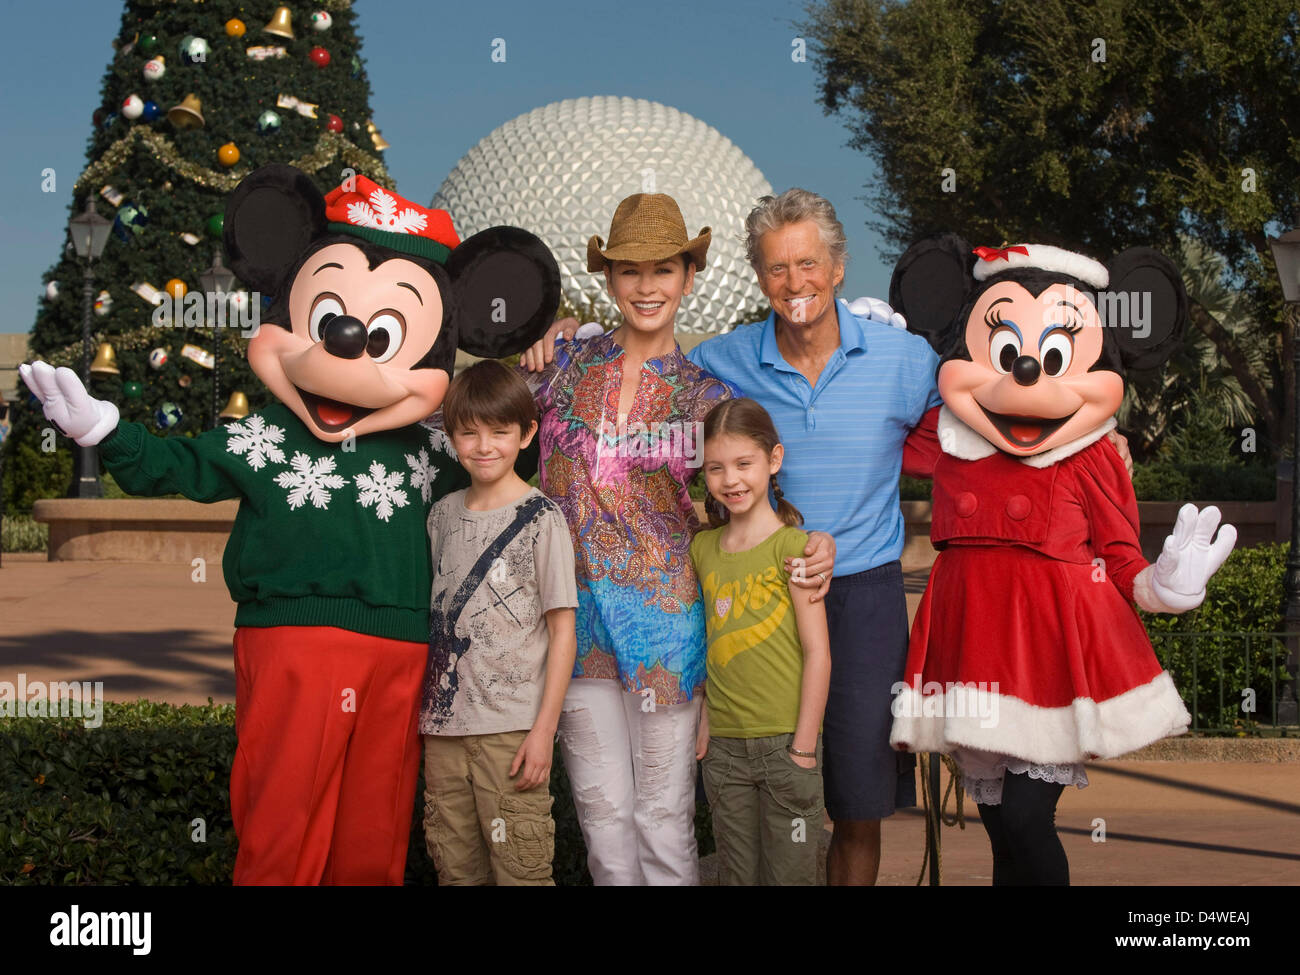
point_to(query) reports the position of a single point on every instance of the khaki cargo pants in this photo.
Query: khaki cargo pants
(478, 829)
(767, 811)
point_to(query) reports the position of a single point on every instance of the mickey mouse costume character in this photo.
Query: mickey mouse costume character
(328, 559)
(1026, 656)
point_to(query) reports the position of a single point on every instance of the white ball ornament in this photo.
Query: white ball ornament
(157, 358)
(132, 107)
(321, 20)
(52, 290)
(155, 68)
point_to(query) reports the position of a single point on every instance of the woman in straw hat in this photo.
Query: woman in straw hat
(620, 442)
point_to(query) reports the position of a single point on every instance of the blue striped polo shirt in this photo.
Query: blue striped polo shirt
(844, 437)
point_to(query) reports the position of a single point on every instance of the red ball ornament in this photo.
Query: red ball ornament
(335, 124)
(320, 56)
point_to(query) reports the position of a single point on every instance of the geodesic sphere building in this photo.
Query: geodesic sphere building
(559, 171)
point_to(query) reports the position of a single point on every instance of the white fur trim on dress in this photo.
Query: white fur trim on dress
(973, 717)
(1049, 259)
(961, 441)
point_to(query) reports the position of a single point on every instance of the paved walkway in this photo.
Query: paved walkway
(150, 630)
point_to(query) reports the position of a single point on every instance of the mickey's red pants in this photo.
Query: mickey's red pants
(323, 783)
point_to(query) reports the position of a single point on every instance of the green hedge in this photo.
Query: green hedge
(1244, 597)
(21, 534)
(114, 804)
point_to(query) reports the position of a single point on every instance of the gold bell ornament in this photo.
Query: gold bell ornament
(281, 23)
(375, 137)
(188, 114)
(236, 407)
(105, 363)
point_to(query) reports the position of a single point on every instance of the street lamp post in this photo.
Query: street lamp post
(216, 281)
(1286, 255)
(89, 233)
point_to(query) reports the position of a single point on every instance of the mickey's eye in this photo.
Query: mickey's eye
(325, 307)
(385, 330)
(1004, 349)
(1056, 352)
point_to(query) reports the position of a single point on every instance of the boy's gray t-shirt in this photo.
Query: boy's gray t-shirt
(495, 575)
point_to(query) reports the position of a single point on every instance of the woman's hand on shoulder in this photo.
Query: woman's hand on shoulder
(541, 353)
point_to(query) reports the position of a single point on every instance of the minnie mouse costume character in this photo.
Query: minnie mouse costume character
(328, 560)
(1026, 656)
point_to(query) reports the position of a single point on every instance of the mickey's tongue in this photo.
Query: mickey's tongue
(1026, 433)
(334, 413)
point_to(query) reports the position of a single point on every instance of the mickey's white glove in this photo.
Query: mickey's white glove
(590, 330)
(67, 404)
(1191, 555)
(877, 311)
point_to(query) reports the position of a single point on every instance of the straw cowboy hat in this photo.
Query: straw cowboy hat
(647, 227)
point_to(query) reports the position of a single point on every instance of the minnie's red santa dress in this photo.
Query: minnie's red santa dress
(1026, 653)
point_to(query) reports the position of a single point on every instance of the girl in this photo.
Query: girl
(619, 415)
(768, 662)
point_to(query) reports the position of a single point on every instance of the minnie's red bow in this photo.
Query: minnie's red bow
(999, 253)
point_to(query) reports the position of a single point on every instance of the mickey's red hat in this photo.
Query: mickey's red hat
(363, 208)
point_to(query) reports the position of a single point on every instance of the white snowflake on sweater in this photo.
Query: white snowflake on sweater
(381, 489)
(439, 440)
(256, 441)
(422, 473)
(310, 480)
(381, 214)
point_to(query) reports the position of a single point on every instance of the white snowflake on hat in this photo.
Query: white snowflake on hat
(381, 214)
(256, 441)
(381, 489)
(310, 480)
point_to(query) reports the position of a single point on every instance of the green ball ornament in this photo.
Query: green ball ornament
(133, 390)
(216, 223)
(148, 43)
(167, 416)
(268, 123)
(194, 50)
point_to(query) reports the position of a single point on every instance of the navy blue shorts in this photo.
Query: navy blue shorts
(867, 616)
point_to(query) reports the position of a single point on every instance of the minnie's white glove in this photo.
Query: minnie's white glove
(67, 404)
(1191, 555)
(877, 311)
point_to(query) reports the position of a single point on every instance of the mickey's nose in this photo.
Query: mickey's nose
(1026, 370)
(345, 337)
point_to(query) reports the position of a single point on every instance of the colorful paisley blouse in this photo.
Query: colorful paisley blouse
(622, 485)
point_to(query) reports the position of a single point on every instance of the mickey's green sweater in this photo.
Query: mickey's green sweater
(325, 535)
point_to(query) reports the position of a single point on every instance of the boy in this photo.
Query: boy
(501, 645)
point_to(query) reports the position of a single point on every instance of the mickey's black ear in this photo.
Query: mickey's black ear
(930, 285)
(1145, 306)
(271, 217)
(507, 288)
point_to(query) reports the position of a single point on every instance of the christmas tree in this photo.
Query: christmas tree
(195, 97)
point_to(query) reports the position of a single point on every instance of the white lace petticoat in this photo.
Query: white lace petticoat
(982, 773)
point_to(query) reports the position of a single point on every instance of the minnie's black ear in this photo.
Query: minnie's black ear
(271, 217)
(1144, 307)
(507, 288)
(930, 285)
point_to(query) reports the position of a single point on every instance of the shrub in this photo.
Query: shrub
(1244, 597)
(21, 534)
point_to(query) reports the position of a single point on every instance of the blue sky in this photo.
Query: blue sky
(436, 92)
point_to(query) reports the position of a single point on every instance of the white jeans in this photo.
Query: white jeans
(633, 778)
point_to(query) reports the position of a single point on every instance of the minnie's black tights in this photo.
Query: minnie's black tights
(1022, 831)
